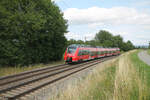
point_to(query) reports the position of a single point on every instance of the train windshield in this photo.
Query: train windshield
(71, 50)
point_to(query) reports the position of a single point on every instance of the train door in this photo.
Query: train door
(90, 53)
(80, 54)
(86, 55)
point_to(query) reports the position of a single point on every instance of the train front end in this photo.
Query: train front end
(71, 54)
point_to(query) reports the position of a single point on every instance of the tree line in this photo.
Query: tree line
(106, 39)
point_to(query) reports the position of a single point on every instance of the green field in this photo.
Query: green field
(125, 78)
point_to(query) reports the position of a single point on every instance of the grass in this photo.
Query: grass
(143, 71)
(125, 78)
(14, 70)
(129, 85)
(103, 89)
(97, 86)
(149, 51)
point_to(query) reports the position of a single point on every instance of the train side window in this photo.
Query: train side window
(99, 52)
(80, 53)
(95, 52)
(92, 53)
(86, 52)
(83, 52)
(89, 52)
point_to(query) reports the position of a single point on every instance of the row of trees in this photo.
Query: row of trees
(106, 39)
(31, 32)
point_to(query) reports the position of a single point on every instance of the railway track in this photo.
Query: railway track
(16, 86)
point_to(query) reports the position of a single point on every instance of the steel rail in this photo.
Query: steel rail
(31, 71)
(49, 82)
(22, 77)
(39, 78)
(54, 80)
(43, 75)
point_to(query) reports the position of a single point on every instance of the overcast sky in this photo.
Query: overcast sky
(129, 18)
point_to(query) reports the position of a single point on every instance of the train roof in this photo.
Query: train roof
(84, 46)
(79, 45)
(89, 46)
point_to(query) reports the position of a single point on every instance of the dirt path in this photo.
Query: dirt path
(143, 55)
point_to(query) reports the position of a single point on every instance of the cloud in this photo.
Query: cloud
(130, 23)
(71, 35)
(142, 3)
(78, 36)
(56, 0)
(106, 16)
(114, 32)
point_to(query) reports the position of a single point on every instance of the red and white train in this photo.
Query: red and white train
(78, 53)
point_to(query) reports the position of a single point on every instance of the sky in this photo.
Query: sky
(128, 18)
